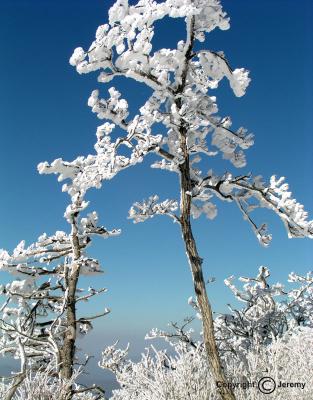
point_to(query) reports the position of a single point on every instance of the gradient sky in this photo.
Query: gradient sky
(43, 116)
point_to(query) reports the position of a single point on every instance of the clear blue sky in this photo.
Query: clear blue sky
(43, 116)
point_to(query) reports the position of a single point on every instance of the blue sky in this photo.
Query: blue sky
(43, 116)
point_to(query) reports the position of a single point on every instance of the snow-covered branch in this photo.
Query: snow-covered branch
(149, 208)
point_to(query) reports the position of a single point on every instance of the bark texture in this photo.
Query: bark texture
(67, 353)
(195, 262)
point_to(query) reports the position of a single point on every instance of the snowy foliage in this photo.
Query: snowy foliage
(181, 81)
(184, 373)
(285, 360)
(264, 338)
(165, 377)
(269, 312)
(43, 385)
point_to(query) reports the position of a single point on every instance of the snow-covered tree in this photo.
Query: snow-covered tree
(39, 321)
(182, 81)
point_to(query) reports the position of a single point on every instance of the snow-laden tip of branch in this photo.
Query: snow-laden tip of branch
(65, 169)
(91, 227)
(140, 212)
(215, 66)
(250, 193)
(114, 108)
(113, 358)
(240, 81)
(130, 30)
(47, 248)
(178, 333)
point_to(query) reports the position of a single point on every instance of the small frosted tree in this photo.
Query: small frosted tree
(39, 319)
(181, 81)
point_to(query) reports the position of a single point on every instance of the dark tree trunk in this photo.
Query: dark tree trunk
(67, 353)
(197, 275)
(68, 349)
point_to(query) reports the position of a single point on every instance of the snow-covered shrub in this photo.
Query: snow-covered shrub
(3, 389)
(287, 360)
(269, 311)
(270, 336)
(185, 374)
(160, 376)
(45, 385)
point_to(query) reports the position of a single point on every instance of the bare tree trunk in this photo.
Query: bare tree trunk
(197, 275)
(68, 349)
(71, 279)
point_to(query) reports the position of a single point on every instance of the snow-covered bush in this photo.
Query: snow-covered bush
(287, 360)
(271, 336)
(185, 373)
(160, 376)
(269, 311)
(44, 385)
(3, 390)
